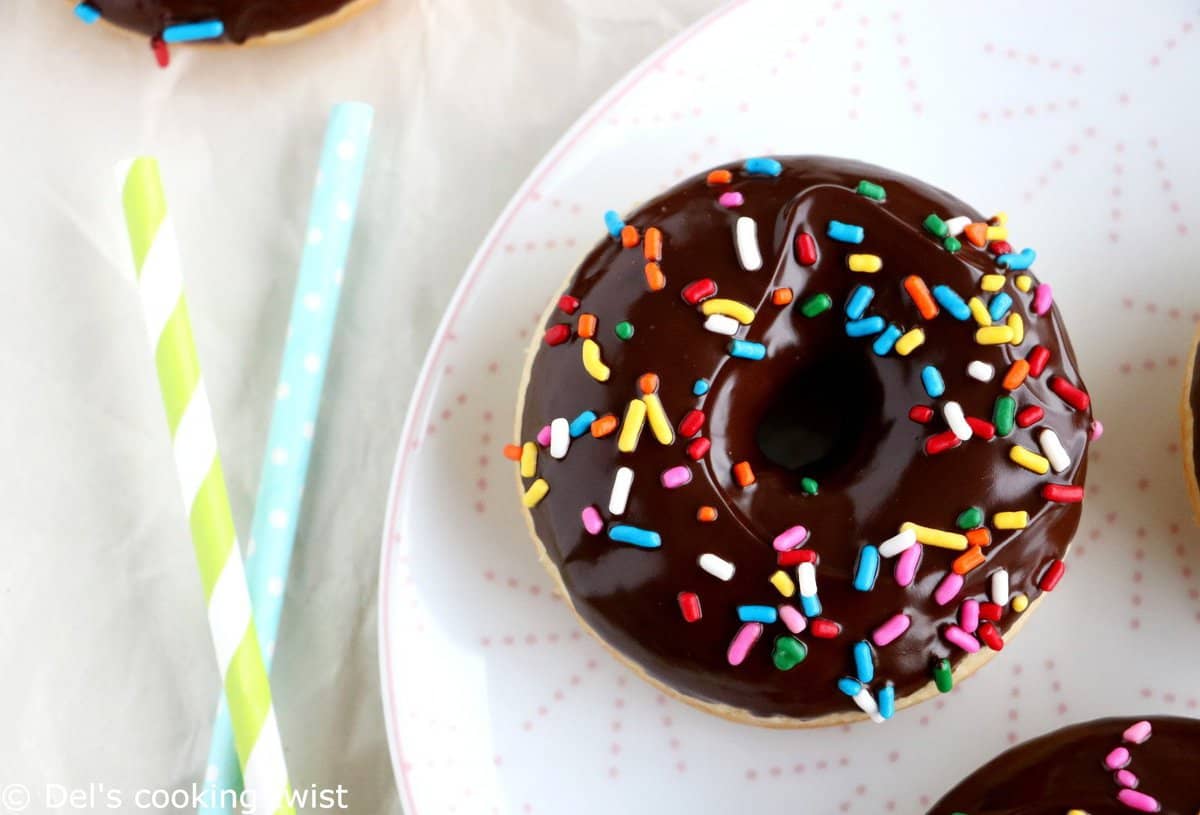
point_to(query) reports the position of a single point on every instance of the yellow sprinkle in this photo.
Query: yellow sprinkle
(991, 282)
(631, 427)
(1010, 520)
(1001, 218)
(1019, 603)
(979, 311)
(937, 537)
(1018, 328)
(528, 460)
(910, 342)
(785, 584)
(864, 263)
(994, 335)
(997, 233)
(1029, 459)
(1076, 812)
(1024, 282)
(592, 362)
(536, 492)
(730, 308)
(660, 425)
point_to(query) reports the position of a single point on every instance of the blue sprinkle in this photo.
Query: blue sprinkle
(613, 223)
(581, 423)
(763, 166)
(1019, 262)
(864, 662)
(191, 32)
(849, 686)
(635, 536)
(860, 298)
(757, 614)
(746, 349)
(700, 387)
(884, 342)
(931, 378)
(866, 570)
(948, 299)
(846, 233)
(887, 701)
(87, 12)
(811, 605)
(1000, 303)
(865, 327)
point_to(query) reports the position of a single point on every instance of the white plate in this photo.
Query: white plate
(1082, 125)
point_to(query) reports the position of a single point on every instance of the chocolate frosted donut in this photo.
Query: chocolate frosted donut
(1105, 767)
(803, 439)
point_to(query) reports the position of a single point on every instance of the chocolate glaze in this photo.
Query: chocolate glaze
(1065, 770)
(875, 479)
(243, 19)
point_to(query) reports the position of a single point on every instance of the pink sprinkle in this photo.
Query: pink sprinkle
(956, 636)
(968, 616)
(792, 538)
(1127, 779)
(592, 521)
(890, 631)
(743, 641)
(793, 619)
(1097, 429)
(948, 589)
(543, 436)
(1117, 759)
(906, 564)
(1043, 298)
(731, 199)
(1138, 800)
(676, 477)
(1137, 733)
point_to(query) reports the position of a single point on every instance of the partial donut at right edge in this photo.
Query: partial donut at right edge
(1188, 407)
(1103, 767)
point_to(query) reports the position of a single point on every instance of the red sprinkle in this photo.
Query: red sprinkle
(697, 448)
(558, 334)
(991, 611)
(699, 290)
(991, 637)
(568, 304)
(941, 442)
(806, 249)
(691, 423)
(743, 473)
(162, 54)
(1070, 394)
(1053, 575)
(689, 605)
(921, 414)
(982, 429)
(979, 537)
(1038, 358)
(794, 557)
(717, 177)
(824, 629)
(1062, 493)
(1000, 248)
(1030, 415)
(512, 452)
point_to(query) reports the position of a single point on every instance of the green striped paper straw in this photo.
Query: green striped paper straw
(189, 418)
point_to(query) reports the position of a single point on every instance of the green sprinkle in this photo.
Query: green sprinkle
(952, 244)
(817, 304)
(942, 677)
(970, 518)
(1004, 414)
(872, 191)
(623, 330)
(789, 652)
(808, 486)
(936, 226)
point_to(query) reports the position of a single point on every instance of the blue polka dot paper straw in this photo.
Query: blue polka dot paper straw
(297, 400)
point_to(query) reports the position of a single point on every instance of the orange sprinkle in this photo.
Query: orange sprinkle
(1016, 375)
(652, 248)
(979, 537)
(920, 295)
(648, 383)
(719, 177)
(706, 514)
(587, 325)
(512, 452)
(743, 474)
(604, 425)
(655, 279)
(971, 559)
(781, 297)
(976, 234)
(629, 236)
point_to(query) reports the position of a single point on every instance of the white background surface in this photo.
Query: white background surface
(107, 673)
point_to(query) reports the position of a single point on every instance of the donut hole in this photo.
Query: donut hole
(818, 422)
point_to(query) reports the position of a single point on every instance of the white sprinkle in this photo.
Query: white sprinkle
(619, 498)
(898, 543)
(746, 241)
(806, 577)
(1000, 587)
(866, 703)
(981, 370)
(560, 437)
(957, 224)
(721, 324)
(1053, 450)
(718, 567)
(957, 420)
